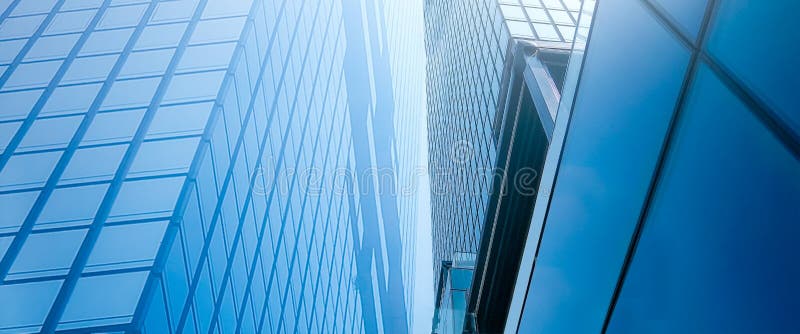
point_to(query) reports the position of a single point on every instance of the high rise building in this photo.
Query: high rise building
(193, 166)
(667, 165)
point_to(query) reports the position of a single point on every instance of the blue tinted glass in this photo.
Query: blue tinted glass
(87, 308)
(623, 106)
(687, 13)
(770, 28)
(26, 305)
(726, 261)
(47, 254)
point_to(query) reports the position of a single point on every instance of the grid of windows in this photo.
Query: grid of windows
(466, 46)
(153, 149)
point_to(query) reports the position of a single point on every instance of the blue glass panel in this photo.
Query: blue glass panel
(32, 75)
(23, 26)
(131, 93)
(126, 246)
(166, 35)
(63, 209)
(33, 7)
(147, 198)
(173, 11)
(15, 207)
(769, 27)
(218, 30)
(622, 109)
(26, 305)
(206, 57)
(10, 49)
(197, 86)
(70, 22)
(7, 131)
(52, 47)
(27, 170)
(17, 105)
(726, 261)
(147, 63)
(119, 17)
(113, 126)
(80, 4)
(70, 99)
(180, 120)
(687, 13)
(89, 69)
(164, 157)
(47, 254)
(49, 133)
(87, 308)
(93, 164)
(106, 41)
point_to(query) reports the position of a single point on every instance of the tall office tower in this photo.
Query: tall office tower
(188, 166)
(667, 181)
(495, 73)
(673, 177)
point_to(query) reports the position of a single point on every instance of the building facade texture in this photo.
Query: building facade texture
(675, 175)
(174, 166)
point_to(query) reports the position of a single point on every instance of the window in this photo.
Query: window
(33, 7)
(45, 254)
(50, 133)
(31, 303)
(131, 93)
(15, 207)
(52, 47)
(205, 57)
(70, 99)
(113, 127)
(173, 11)
(181, 119)
(17, 105)
(166, 35)
(70, 22)
(89, 69)
(107, 41)
(71, 206)
(147, 63)
(196, 86)
(218, 30)
(28, 170)
(87, 308)
(33, 75)
(93, 164)
(126, 246)
(10, 49)
(121, 17)
(17, 27)
(146, 198)
(164, 157)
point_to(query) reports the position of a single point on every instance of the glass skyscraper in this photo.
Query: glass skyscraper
(195, 166)
(666, 160)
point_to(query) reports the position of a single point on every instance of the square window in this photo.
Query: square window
(17, 105)
(88, 69)
(179, 120)
(146, 199)
(93, 164)
(164, 157)
(546, 32)
(33, 7)
(124, 16)
(131, 93)
(126, 246)
(108, 127)
(218, 30)
(33, 75)
(16, 27)
(85, 309)
(70, 99)
(80, 4)
(28, 170)
(70, 22)
(31, 303)
(45, 254)
(106, 41)
(193, 87)
(10, 49)
(15, 207)
(165, 35)
(52, 47)
(71, 206)
(173, 11)
(49, 133)
(146, 63)
(206, 57)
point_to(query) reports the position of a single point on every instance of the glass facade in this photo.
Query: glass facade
(187, 166)
(674, 170)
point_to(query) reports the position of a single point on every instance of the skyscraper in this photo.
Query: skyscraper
(495, 71)
(192, 166)
(667, 165)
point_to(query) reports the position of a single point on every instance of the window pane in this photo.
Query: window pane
(772, 73)
(622, 109)
(45, 254)
(726, 261)
(687, 13)
(72, 206)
